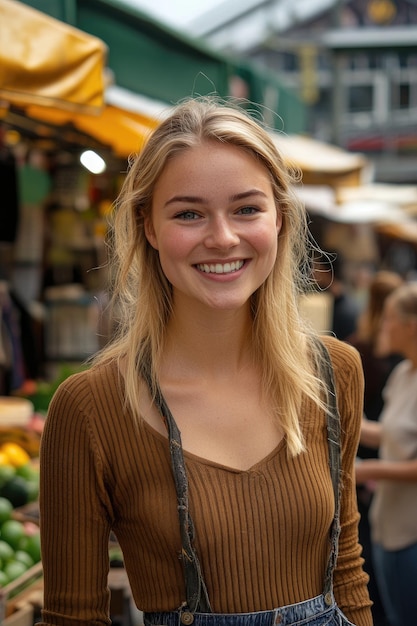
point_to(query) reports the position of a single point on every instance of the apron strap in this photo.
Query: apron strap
(195, 588)
(333, 439)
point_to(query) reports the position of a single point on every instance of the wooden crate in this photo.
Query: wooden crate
(18, 594)
(21, 616)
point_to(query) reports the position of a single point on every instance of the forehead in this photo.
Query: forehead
(214, 162)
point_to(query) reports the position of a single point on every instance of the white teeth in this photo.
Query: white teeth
(218, 268)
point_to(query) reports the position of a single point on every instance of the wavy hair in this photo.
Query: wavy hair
(142, 296)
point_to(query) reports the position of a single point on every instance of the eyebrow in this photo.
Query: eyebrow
(199, 200)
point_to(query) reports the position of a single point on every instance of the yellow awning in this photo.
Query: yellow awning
(46, 62)
(123, 131)
(321, 163)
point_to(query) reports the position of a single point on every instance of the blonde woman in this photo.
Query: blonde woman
(200, 435)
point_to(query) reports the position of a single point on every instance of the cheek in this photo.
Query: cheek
(265, 240)
(173, 247)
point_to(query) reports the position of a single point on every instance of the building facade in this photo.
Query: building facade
(352, 62)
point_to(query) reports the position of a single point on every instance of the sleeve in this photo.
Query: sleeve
(350, 580)
(75, 523)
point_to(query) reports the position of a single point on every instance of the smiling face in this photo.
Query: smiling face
(215, 225)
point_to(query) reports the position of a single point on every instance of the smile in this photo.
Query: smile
(219, 268)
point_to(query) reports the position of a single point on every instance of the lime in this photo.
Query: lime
(32, 545)
(6, 473)
(14, 569)
(32, 490)
(6, 551)
(12, 532)
(6, 509)
(16, 491)
(24, 557)
(3, 579)
(28, 472)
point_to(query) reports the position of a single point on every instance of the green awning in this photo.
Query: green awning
(149, 58)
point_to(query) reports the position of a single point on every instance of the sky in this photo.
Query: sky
(175, 13)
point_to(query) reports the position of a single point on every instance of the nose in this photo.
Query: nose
(221, 233)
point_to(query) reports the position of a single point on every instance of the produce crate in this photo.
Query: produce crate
(15, 596)
(27, 513)
(22, 616)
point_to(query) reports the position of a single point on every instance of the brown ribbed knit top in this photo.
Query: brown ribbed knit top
(261, 534)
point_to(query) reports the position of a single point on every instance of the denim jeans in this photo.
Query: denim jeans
(396, 575)
(314, 612)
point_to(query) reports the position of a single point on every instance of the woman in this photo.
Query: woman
(376, 369)
(365, 339)
(208, 245)
(393, 514)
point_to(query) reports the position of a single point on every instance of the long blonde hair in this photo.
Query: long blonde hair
(281, 342)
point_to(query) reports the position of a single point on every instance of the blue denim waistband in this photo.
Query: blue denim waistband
(317, 611)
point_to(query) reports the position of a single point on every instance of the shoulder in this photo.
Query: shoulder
(83, 389)
(401, 374)
(348, 373)
(349, 383)
(345, 357)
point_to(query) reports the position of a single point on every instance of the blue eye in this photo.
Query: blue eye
(187, 215)
(248, 210)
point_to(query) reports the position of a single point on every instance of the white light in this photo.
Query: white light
(93, 162)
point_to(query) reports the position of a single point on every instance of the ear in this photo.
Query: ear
(150, 232)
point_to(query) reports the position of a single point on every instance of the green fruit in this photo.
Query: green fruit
(6, 473)
(6, 552)
(33, 490)
(28, 472)
(6, 508)
(16, 491)
(32, 545)
(12, 532)
(3, 579)
(24, 557)
(14, 569)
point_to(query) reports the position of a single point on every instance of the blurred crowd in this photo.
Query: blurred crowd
(382, 325)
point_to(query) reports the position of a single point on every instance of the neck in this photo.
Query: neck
(208, 342)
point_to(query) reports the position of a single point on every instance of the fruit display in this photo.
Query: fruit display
(19, 540)
(19, 544)
(19, 475)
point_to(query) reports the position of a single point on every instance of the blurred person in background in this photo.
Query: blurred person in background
(328, 274)
(376, 369)
(393, 514)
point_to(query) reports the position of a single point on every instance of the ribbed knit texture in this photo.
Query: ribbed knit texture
(261, 534)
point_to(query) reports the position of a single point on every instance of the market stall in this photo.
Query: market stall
(44, 61)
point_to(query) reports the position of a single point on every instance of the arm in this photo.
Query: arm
(371, 433)
(350, 581)
(378, 469)
(74, 525)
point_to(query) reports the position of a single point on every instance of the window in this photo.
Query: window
(360, 98)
